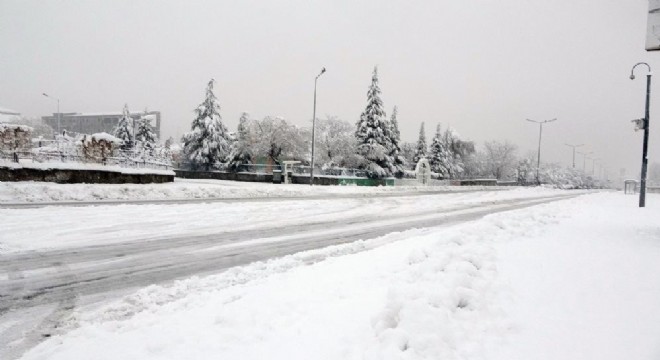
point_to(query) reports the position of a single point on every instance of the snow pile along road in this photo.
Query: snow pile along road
(429, 296)
(17, 192)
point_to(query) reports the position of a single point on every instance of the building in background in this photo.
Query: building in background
(91, 123)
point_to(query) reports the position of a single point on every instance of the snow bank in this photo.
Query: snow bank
(422, 294)
(182, 189)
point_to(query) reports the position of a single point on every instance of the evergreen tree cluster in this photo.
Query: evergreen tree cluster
(145, 137)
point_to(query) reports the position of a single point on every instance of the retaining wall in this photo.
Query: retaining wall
(77, 176)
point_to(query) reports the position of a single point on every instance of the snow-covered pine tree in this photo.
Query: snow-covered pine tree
(124, 130)
(208, 142)
(422, 148)
(398, 161)
(241, 153)
(371, 134)
(437, 154)
(145, 134)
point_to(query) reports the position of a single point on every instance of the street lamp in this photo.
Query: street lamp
(574, 146)
(59, 115)
(584, 160)
(311, 172)
(642, 189)
(538, 161)
(593, 165)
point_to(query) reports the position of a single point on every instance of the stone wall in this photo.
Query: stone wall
(217, 175)
(68, 176)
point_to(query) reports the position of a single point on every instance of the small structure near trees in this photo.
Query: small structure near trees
(14, 138)
(423, 171)
(96, 148)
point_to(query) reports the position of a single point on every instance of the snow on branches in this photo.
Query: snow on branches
(123, 130)
(208, 143)
(373, 135)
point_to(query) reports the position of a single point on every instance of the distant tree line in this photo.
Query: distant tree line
(372, 144)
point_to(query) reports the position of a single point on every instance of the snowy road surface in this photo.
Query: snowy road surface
(88, 254)
(573, 279)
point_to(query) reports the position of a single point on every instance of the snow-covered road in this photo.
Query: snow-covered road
(87, 254)
(571, 279)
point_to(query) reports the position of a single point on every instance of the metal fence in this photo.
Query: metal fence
(269, 168)
(123, 159)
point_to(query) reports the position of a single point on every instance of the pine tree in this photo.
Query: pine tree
(438, 153)
(124, 130)
(371, 134)
(398, 161)
(208, 142)
(241, 153)
(422, 148)
(145, 134)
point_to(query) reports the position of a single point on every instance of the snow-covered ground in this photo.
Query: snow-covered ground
(188, 189)
(574, 279)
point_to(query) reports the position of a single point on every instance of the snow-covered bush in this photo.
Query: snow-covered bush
(96, 148)
(15, 137)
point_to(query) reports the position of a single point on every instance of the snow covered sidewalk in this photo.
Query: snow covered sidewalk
(574, 279)
(588, 288)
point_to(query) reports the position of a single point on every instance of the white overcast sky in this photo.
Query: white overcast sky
(479, 66)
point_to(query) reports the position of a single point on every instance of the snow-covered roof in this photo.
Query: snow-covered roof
(8, 118)
(104, 136)
(24, 128)
(5, 111)
(107, 113)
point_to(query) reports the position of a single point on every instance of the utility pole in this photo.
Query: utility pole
(574, 146)
(647, 119)
(584, 160)
(593, 165)
(538, 161)
(311, 170)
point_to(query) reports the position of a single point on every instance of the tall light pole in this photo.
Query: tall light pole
(311, 172)
(642, 189)
(584, 160)
(59, 115)
(538, 161)
(574, 146)
(593, 165)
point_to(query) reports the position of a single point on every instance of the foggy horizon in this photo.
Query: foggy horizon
(480, 67)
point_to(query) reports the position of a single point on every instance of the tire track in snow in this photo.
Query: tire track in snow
(115, 267)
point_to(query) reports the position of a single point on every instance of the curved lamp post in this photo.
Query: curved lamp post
(59, 116)
(538, 161)
(642, 189)
(311, 172)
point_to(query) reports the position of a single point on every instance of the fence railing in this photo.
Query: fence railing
(123, 159)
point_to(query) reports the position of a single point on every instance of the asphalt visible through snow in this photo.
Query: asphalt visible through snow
(41, 289)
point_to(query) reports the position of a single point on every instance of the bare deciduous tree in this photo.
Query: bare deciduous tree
(500, 159)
